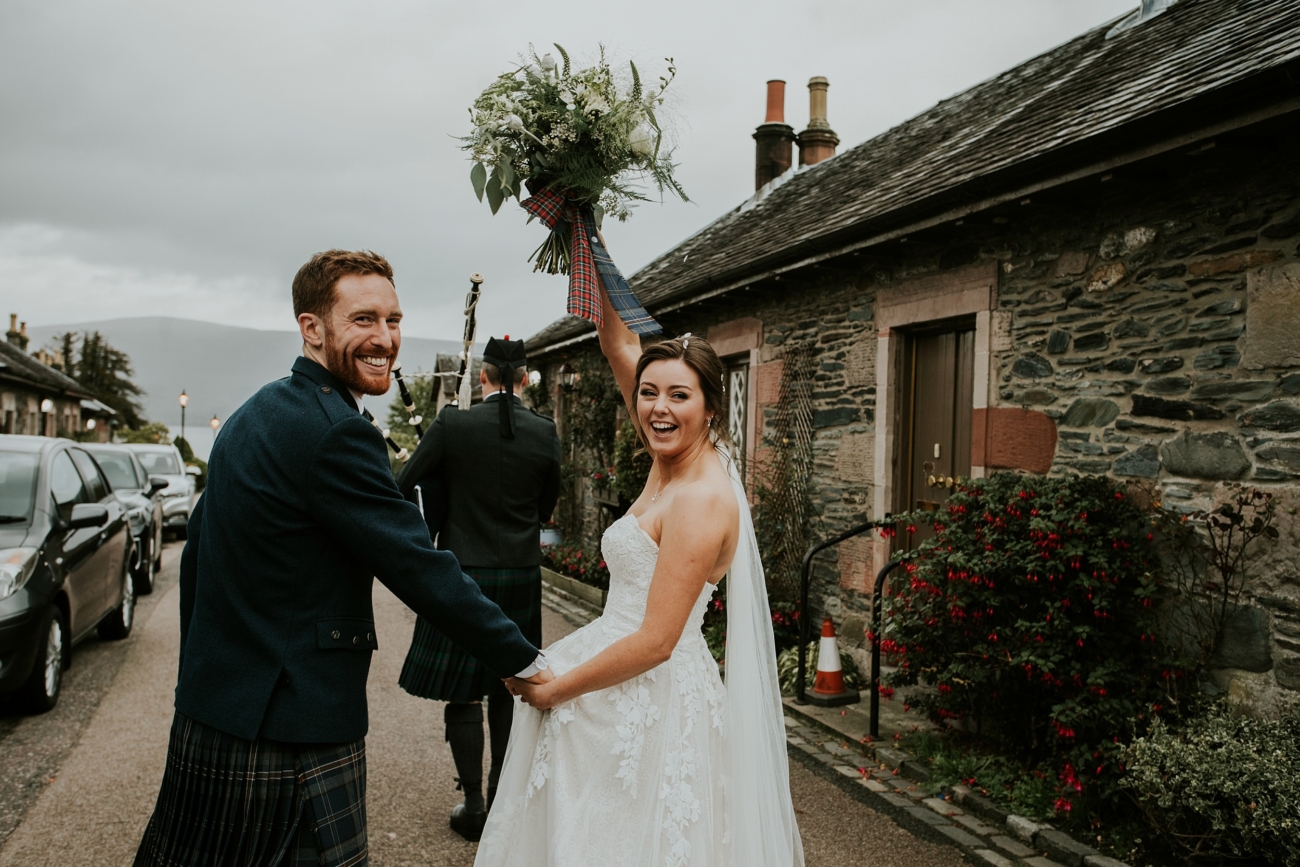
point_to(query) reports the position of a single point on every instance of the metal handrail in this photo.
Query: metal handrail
(801, 693)
(877, 602)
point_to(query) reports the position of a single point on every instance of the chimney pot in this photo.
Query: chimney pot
(775, 101)
(774, 139)
(818, 141)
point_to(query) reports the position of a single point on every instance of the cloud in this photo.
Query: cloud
(185, 159)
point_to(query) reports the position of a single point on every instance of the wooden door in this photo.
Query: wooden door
(938, 382)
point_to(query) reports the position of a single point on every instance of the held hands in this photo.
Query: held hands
(538, 691)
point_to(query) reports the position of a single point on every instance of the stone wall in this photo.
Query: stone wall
(1152, 315)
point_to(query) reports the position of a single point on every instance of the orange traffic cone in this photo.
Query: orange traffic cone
(829, 689)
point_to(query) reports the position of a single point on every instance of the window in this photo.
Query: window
(96, 486)
(119, 468)
(17, 487)
(66, 485)
(161, 463)
(738, 407)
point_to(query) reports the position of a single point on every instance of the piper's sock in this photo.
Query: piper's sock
(501, 710)
(465, 737)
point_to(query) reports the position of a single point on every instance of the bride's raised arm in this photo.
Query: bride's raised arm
(622, 350)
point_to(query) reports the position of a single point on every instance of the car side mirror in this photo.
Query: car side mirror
(156, 484)
(88, 515)
(193, 471)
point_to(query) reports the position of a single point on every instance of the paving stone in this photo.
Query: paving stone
(851, 773)
(975, 825)
(810, 734)
(1102, 861)
(958, 836)
(890, 757)
(927, 815)
(1015, 847)
(794, 740)
(991, 857)
(838, 750)
(1023, 828)
(1063, 847)
(942, 807)
(1040, 861)
(896, 800)
(873, 785)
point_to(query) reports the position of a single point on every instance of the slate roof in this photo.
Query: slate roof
(1077, 92)
(17, 365)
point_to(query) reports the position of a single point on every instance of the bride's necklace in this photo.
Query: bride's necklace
(660, 492)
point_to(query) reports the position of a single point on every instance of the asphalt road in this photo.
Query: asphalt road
(78, 784)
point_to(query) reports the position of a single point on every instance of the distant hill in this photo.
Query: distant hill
(219, 366)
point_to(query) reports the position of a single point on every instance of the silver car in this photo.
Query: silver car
(164, 462)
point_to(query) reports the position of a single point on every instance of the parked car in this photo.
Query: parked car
(141, 494)
(165, 462)
(65, 557)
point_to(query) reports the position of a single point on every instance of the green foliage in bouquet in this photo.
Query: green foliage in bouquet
(590, 133)
(1031, 618)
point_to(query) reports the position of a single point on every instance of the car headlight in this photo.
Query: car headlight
(16, 566)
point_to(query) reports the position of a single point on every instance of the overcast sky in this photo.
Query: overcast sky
(183, 159)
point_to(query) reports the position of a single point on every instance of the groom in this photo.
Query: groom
(266, 763)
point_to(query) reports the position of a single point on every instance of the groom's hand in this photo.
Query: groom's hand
(541, 696)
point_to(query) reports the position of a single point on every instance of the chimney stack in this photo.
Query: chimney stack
(818, 141)
(774, 152)
(14, 335)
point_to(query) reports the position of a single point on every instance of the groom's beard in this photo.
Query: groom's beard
(347, 369)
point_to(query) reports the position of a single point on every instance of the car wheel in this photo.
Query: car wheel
(41, 691)
(117, 625)
(143, 577)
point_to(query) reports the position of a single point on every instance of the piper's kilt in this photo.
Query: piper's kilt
(227, 801)
(438, 669)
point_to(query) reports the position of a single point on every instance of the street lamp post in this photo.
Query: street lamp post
(184, 401)
(47, 407)
(214, 424)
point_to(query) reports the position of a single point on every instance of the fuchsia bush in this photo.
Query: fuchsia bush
(1031, 615)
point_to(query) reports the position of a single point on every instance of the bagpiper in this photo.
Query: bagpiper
(487, 478)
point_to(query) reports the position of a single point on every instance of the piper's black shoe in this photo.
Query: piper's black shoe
(468, 825)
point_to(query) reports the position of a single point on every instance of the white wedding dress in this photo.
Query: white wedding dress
(670, 768)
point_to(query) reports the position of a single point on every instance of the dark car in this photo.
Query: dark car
(65, 557)
(164, 461)
(139, 492)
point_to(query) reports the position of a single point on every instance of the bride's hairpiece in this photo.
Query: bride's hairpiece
(686, 340)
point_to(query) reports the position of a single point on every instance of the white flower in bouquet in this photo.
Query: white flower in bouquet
(588, 134)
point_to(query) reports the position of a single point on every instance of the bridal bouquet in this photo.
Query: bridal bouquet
(584, 143)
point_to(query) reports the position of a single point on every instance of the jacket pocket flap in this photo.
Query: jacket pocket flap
(346, 633)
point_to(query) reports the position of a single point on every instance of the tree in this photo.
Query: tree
(104, 371)
(152, 432)
(399, 420)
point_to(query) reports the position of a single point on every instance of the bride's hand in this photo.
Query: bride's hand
(541, 696)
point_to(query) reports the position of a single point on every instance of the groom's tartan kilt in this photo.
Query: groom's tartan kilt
(438, 669)
(227, 801)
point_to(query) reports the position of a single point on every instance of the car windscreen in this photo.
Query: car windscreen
(17, 486)
(118, 468)
(161, 463)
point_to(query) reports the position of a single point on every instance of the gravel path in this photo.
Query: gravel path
(77, 785)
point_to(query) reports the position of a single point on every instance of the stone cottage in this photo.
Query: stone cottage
(1088, 263)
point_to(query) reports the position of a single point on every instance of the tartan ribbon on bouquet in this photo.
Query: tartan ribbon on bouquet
(589, 262)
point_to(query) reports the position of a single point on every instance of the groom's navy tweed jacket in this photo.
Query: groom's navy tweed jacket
(300, 512)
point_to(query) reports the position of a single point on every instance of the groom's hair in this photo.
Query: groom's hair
(313, 285)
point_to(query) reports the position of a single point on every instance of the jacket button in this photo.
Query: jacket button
(336, 635)
(326, 389)
(356, 639)
(370, 636)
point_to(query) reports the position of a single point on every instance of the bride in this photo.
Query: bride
(637, 753)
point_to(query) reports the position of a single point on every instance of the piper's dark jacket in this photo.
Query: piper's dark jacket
(300, 511)
(505, 487)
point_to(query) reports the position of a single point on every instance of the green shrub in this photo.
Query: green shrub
(1222, 789)
(1030, 616)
